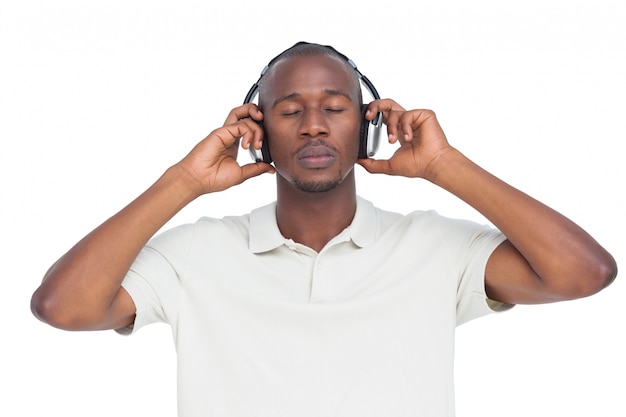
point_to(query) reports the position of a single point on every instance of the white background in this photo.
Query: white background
(98, 98)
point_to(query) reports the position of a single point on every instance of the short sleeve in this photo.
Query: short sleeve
(154, 279)
(472, 300)
(469, 246)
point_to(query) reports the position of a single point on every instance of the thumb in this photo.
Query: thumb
(255, 169)
(376, 166)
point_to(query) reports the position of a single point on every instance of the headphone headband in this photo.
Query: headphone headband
(254, 90)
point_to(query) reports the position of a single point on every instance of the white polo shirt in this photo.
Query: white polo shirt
(264, 326)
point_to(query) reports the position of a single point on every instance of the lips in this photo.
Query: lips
(316, 156)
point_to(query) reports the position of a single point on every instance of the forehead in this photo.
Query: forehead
(301, 74)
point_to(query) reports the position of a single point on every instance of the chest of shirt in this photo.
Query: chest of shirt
(341, 272)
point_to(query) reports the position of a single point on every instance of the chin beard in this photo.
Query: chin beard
(317, 186)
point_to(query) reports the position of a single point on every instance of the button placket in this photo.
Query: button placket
(322, 288)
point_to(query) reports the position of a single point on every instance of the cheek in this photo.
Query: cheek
(273, 137)
(275, 141)
(352, 136)
(280, 149)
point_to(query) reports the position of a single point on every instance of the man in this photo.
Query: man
(319, 304)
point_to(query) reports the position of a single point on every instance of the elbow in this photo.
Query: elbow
(40, 307)
(606, 272)
(583, 277)
(601, 272)
(54, 311)
(48, 303)
(46, 309)
(71, 310)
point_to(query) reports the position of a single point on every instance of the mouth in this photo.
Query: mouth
(316, 156)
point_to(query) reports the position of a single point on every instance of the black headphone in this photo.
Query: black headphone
(369, 136)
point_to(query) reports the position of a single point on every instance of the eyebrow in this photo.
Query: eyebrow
(279, 100)
(328, 91)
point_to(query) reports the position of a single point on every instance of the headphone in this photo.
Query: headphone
(369, 134)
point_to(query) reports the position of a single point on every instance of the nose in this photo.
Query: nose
(313, 124)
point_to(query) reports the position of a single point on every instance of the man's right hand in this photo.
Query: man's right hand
(212, 164)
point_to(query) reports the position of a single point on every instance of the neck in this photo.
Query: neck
(313, 219)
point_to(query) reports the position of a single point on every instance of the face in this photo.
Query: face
(312, 119)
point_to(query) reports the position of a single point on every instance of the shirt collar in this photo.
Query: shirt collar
(265, 235)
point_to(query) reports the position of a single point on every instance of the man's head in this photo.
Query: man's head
(311, 102)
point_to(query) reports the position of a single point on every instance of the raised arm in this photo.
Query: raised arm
(82, 290)
(546, 257)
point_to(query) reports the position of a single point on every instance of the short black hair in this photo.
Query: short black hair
(313, 49)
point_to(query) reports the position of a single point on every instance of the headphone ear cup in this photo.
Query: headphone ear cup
(263, 154)
(265, 149)
(363, 133)
(369, 135)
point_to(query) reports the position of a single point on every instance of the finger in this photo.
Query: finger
(416, 121)
(254, 137)
(384, 105)
(391, 113)
(255, 169)
(392, 120)
(249, 110)
(406, 125)
(376, 166)
(229, 135)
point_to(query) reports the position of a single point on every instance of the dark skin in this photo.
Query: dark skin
(311, 115)
(313, 121)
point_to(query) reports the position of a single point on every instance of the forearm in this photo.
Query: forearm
(83, 282)
(562, 255)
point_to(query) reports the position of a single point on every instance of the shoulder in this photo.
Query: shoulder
(433, 227)
(391, 220)
(432, 220)
(185, 234)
